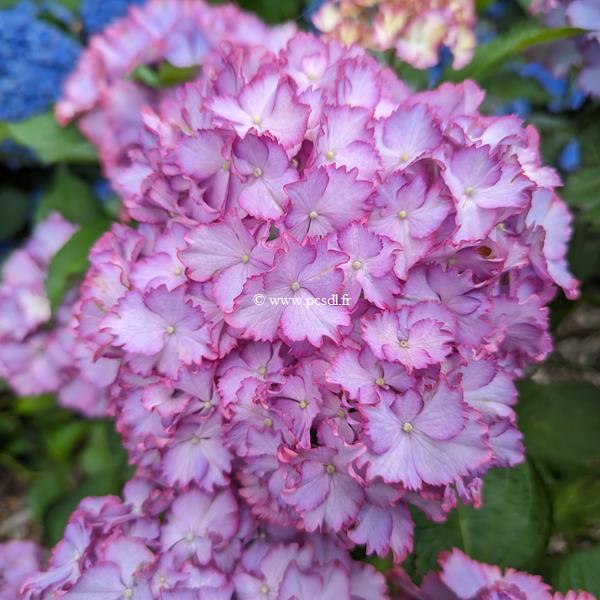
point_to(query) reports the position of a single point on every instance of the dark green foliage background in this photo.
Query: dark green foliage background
(543, 516)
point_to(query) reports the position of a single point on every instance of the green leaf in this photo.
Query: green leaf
(103, 451)
(576, 505)
(525, 4)
(169, 75)
(273, 12)
(583, 192)
(9, 462)
(14, 208)
(383, 565)
(587, 131)
(166, 75)
(146, 75)
(488, 57)
(51, 142)
(579, 571)
(511, 529)
(71, 261)
(415, 78)
(72, 5)
(505, 87)
(62, 440)
(561, 422)
(482, 5)
(584, 251)
(71, 197)
(8, 425)
(30, 405)
(96, 455)
(46, 489)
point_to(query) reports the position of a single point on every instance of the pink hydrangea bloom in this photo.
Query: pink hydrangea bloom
(148, 546)
(179, 32)
(416, 31)
(313, 326)
(462, 578)
(23, 302)
(35, 358)
(18, 560)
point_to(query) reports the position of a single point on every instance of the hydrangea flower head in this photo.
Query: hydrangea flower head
(581, 54)
(35, 358)
(317, 321)
(415, 30)
(462, 578)
(36, 57)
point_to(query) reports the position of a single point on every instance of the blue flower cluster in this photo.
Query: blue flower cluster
(35, 58)
(97, 14)
(563, 95)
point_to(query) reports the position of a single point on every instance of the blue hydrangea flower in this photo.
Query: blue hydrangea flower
(97, 14)
(570, 156)
(518, 106)
(434, 75)
(102, 190)
(563, 95)
(35, 58)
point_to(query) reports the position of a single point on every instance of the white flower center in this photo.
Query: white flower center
(407, 427)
